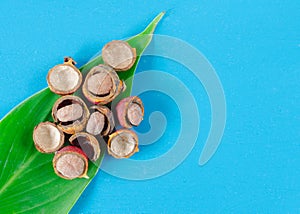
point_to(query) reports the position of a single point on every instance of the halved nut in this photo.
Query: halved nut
(101, 121)
(70, 113)
(47, 137)
(65, 78)
(119, 55)
(122, 143)
(88, 143)
(130, 111)
(102, 85)
(70, 162)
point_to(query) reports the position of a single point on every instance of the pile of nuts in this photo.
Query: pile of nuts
(85, 124)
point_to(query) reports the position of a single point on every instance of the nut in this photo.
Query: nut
(70, 162)
(65, 78)
(47, 137)
(122, 143)
(130, 111)
(70, 113)
(101, 121)
(102, 85)
(119, 55)
(88, 143)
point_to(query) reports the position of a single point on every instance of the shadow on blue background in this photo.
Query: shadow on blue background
(255, 48)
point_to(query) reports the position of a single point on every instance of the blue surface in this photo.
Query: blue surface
(254, 47)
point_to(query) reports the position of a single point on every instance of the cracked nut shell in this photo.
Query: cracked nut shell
(101, 121)
(70, 162)
(88, 143)
(70, 113)
(119, 55)
(122, 143)
(130, 111)
(65, 78)
(47, 137)
(102, 85)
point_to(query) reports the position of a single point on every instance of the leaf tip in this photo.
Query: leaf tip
(159, 16)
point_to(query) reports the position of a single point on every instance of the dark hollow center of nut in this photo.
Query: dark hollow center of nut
(134, 114)
(69, 111)
(85, 145)
(100, 84)
(96, 123)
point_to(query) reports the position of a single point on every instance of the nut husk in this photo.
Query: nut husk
(102, 85)
(64, 79)
(47, 137)
(70, 162)
(122, 143)
(101, 121)
(70, 113)
(130, 111)
(119, 55)
(88, 143)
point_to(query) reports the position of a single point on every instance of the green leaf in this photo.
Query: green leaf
(28, 183)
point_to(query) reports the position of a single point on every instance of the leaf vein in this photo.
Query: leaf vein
(17, 173)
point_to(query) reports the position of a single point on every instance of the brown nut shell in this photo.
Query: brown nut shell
(101, 121)
(88, 143)
(130, 111)
(70, 162)
(102, 85)
(119, 55)
(65, 78)
(122, 143)
(70, 113)
(47, 137)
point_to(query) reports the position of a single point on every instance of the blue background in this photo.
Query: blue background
(255, 48)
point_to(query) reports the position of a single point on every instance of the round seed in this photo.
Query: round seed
(119, 55)
(47, 137)
(123, 143)
(64, 78)
(102, 84)
(70, 113)
(130, 111)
